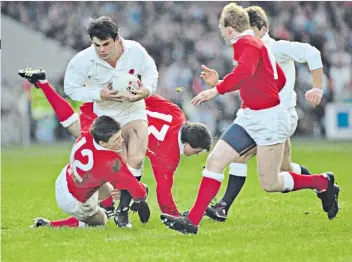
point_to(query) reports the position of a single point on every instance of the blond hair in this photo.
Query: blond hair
(235, 16)
(257, 17)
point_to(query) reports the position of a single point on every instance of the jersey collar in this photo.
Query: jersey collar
(266, 38)
(99, 147)
(244, 33)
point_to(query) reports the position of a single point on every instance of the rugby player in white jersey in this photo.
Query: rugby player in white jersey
(286, 53)
(88, 78)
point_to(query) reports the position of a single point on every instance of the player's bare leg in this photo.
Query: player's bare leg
(135, 135)
(237, 178)
(74, 129)
(269, 160)
(286, 160)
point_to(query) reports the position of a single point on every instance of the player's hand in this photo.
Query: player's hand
(210, 76)
(135, 95)
(115, 194)
(314, 96)
(106, 93)
(205, 96)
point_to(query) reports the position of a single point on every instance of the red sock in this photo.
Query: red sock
(318, 182)
(68, 222)
(107, 202)
(207, 191)
(62, 108)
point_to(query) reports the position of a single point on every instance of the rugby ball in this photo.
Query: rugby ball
(124, 82)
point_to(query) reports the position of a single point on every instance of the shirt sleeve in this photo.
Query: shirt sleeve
(74, 84)
(298, 52)
(247, 65)
(149, 72)
(281, 81)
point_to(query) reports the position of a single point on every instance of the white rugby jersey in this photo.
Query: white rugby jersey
(86, 74)
(286, 53)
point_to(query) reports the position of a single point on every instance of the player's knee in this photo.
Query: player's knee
(286, 167)
(135, 161)
(213, 161)
(270, 185)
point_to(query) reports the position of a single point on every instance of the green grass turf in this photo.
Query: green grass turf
(260, 227)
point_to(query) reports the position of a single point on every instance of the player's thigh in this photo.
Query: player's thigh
(135, 134)
(286, 160)
(268, 163)
(104, 191)
(75, 128)
(222, 155)
(238, 138)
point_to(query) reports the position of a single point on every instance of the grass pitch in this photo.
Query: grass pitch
(260, 226)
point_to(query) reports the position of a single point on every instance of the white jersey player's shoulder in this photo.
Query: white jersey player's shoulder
(84, 56)
(133, 46)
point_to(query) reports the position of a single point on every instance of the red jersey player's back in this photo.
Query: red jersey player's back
(165, 120)
(91, 165)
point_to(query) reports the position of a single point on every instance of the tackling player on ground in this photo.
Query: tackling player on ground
(286, 53)
(170, 136)
(94, 166)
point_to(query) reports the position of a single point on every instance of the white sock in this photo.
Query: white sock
(135, 172)
(81, 224)
(288, 181)
(43, 81)
(238, 169)
(216, 176)
(296, 168)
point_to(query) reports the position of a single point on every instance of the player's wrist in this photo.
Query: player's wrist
(317, 89)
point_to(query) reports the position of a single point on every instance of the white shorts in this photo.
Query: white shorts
(292, 114)
(70, 205)
(266, 127)
(124, 114)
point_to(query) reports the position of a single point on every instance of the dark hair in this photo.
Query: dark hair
(257, 17)
(197, 135)
(102, 28)
(103, 128)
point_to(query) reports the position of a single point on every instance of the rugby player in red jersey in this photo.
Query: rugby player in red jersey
(259, 80)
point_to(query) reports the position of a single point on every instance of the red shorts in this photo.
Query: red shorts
(86, 116)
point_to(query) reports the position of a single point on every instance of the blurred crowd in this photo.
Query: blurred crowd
(181, 36)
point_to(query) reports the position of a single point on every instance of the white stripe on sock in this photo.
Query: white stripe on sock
(216, 176)
(238, 169)
(296, 168)
(69, 121)
(288, 181)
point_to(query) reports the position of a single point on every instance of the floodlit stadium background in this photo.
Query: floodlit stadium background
(180, 36)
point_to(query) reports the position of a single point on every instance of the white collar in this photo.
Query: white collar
(180, 144)
(99, 147)
(244, 33)
(266, 38)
